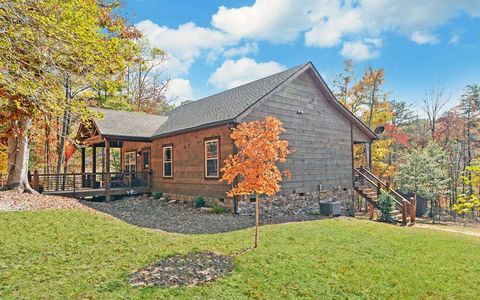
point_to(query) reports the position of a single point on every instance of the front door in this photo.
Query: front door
(146, 166)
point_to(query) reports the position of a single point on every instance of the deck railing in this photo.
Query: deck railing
(81, 181)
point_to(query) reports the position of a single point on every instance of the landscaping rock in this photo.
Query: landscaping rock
(14, 201)
(206, 209)
(183, 218)
(183, 270)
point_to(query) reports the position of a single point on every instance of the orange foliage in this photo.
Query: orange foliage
(259, 147)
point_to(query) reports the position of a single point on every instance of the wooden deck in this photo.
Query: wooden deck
(82, 185)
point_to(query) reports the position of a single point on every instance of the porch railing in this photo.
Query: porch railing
(85, 181)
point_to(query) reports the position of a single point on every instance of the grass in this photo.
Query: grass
(73, 254)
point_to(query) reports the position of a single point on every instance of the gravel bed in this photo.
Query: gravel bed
(183, 270)
(181, 218)
(15, 201)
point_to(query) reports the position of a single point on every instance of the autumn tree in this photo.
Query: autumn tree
(366, 99)
(253, 169)
(469, 202)
(42, 44)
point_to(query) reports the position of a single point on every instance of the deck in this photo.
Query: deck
(84, 185)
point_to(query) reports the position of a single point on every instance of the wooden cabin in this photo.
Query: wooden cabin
(181, 154)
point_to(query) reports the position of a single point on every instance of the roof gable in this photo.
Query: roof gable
(310, 69)
(224, 106)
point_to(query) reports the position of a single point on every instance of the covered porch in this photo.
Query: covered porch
(91, 182)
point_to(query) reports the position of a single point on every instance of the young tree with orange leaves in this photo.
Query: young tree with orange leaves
(259, 148)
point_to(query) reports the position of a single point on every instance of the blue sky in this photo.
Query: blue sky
(215, 45)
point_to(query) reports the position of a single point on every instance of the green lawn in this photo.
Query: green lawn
(73, 254)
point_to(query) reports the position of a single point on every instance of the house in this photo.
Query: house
(184, 151)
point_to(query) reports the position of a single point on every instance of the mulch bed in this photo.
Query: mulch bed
(181, 218)
(183, 270)
(15, 201)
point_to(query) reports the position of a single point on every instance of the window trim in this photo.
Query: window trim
(164, 147)
(129, 153)
(205, 160)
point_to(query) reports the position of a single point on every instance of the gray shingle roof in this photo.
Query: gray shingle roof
(128, 124)
(223, 106)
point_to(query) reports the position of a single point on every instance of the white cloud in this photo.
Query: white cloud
(359, 50)
(326, 23)
(423, 38)
(185, 44)
(333, 25)
(234, 73)
(273, 20)
(179, 90)
(248, 48)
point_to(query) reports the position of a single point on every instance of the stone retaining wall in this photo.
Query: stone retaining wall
(296, 204)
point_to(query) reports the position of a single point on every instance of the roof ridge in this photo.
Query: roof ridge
(242, 85)
(126, 111)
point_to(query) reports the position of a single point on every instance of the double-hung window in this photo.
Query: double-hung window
(211, 158)
(130, 161)
(167, 161)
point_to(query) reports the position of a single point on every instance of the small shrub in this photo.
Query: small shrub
(157, 195)
(385, 205)
(199, 202)
(217, 209)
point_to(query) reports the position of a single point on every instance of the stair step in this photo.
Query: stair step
(395, 212)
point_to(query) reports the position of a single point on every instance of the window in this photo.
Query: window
(167, 161)
(146, 160)
(211, 158)
(130, 161)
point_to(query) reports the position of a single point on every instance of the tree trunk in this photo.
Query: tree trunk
(63, 134)
(18, 158)
(256, 221)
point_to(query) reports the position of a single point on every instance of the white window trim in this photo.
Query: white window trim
(170, 161)
(130, 154)
(207, 159)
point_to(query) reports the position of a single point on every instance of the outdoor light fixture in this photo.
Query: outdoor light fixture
(300, 112)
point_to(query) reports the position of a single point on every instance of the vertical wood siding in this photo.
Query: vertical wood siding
(320, 137)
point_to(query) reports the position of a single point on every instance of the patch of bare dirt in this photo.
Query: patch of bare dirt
(183, 270)
(14, 201)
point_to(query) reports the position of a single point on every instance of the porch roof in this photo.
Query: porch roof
(123, 124)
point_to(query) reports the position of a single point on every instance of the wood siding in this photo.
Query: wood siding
(321, 136)
(188, 162)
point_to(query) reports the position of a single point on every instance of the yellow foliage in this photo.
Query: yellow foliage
(3, 160)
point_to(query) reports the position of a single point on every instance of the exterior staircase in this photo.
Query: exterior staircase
(369, 187)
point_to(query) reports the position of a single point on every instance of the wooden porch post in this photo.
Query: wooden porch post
(413, 206)
(107, 167)
(83, 167)
(94, 165)
(368, 156)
